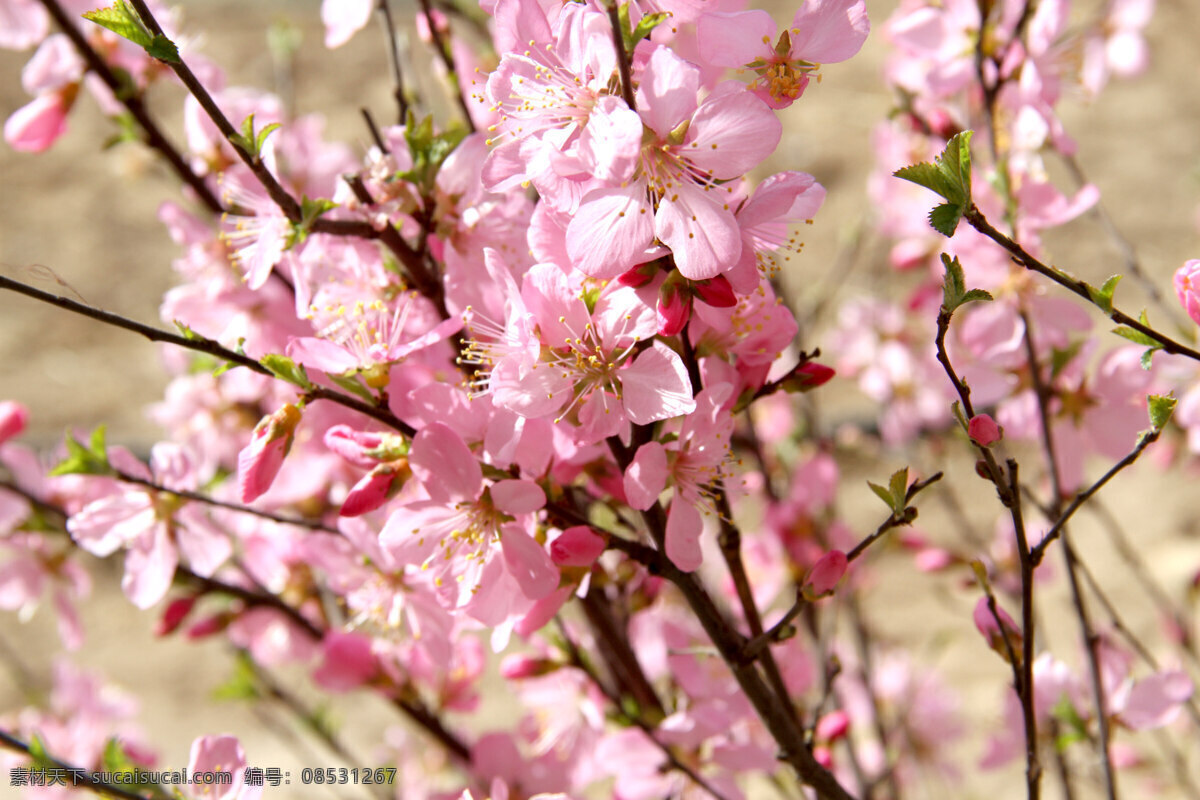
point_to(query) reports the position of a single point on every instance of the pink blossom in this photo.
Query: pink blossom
(13, 418)
(260, 460)
(23, 23)
(823, 31)
(348, 662)
(669, 187)
(37, 125)
(1002, 635)
(220, 754)
(343, 19)
(1187, 288)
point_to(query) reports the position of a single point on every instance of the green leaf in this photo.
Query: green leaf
(944, 218)
(81, 460)
(351, 384)
(1103, 297)
(977, 294)
(1136, 336)
(428, 150)
(163, 49)
(884, 495)
(954, 286)
(123, 21)
(187, 333)
(1161, 408)
(1147, 359)
(242, 684)
(949, 175)
(898, 484)
(286, 369)
(644, 26)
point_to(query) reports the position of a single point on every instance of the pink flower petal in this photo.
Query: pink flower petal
(517, 497)
(735, 39)
(703, 236)
(611, 232)
(656, 386)
(684, 526)
(646, 476)
(445, 465)
(528, 562)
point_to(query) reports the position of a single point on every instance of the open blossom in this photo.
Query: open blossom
(694, 466)
(583, 365)
(822, 32)
(455, 532)
(665, 167)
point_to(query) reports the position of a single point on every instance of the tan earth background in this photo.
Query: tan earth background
(84, 219)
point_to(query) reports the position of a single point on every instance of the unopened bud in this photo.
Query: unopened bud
(174, 615)
(716, 292)
(674, 308)
(521, 665)
(823, 578)
(13, 417)
(376, 488)
(578, 546)
(998, 627)
(259, 461)
(984, 431)
(808, 376)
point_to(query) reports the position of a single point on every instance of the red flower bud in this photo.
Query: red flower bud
(578, 546)
(984, 431)
(716, 292)
(674, 308)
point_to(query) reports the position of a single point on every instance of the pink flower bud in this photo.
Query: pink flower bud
(833, 726)
(376, 488)
(35, 126)
(578, 546)
(716, 292)
(1187, 287)
(174, 615)
(523, 665)
(674, 308)
(995, 633)
(984, 431)
(808, 376)
(639, 276)
(823, 757)
(208, 626)
(259, 461)
(824, 576)
(13, 418)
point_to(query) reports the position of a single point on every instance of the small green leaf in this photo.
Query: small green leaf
(187, 332)
(81, 460)
(1161, 408)
(1136, 336)
(241, 685)
(884, 495)
(949, 175)
(261, 137)
(286, 369)
(646, 24)
(944, 218)
(163, 49)
(898, 484)
(956, 409)
(1147, 359)
(352, 384)
(1103, 297)
(123, 21)
(977, 294)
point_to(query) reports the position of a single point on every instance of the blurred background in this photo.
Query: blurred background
(81, 222)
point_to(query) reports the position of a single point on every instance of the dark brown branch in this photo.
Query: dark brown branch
(203, 345)
(1019, 254)
(154, 137)
(78, 776)
(447, 58)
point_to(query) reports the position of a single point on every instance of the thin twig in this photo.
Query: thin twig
(447, 59)
(78, 776)
(203, 345)
(154, 137)
(389, 32)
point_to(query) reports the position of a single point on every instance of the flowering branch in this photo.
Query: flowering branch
(154, 137)
(80, 777)
(203, 345)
